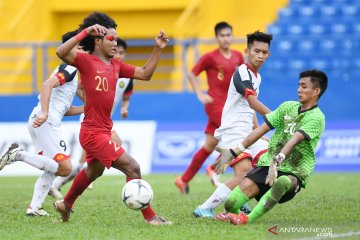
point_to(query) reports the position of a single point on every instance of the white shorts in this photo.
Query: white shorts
(48, 139)
(229, 140)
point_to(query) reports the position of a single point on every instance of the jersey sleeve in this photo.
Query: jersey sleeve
(126, 70)
(129, 89)
(201, 65)
(313, 127)
(243, 82)
(273, 119)
(66, 73)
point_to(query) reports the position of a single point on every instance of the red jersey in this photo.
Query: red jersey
(219, 71)
(99, 80)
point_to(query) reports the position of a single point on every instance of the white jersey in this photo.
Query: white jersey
(237, 115)
(61, 96)
(123, 86)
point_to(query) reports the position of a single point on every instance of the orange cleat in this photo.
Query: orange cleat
(240, 219)
(183, 187)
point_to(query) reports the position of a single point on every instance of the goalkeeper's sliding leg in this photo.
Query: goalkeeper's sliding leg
(241, 165)
(282, 191)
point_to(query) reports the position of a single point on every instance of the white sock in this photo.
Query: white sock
(40, 162)
(61, 181)
(217, 198)
(41, 189)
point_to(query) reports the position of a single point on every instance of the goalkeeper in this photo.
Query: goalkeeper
(287, 165)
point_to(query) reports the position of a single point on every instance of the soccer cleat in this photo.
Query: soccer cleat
(157, 220)
(62, 207)
(203, 213)
(55, 193)
(245, 209)
(183, 187)
(9, 156)
(33, 213)
(214, 178)
(240, 219)
(221, 216)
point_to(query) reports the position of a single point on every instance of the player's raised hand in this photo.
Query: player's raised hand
(39, 120)
(161, 40)
(223, 161)
(271, 178)
(96, 30)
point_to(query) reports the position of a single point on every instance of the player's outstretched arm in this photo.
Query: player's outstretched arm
(228, 154)
(257, 105)
(146, 72)
(74, 110)
(280, 157)
(45, 94)
(67, 51)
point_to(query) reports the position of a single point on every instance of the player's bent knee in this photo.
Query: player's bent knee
(283, 184)
(64, 169)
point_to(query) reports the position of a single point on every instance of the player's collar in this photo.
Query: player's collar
(251, 69)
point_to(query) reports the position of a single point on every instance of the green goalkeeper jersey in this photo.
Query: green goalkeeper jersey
(288, 119)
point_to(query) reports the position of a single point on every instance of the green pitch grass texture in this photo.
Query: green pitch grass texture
(331, 201)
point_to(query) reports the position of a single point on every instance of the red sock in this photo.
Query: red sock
(196, 163)
(81, 182)
(148, 213)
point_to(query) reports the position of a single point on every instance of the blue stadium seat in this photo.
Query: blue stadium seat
(296, 29)
(308, 12)
(328, 46)
(306, 46)
(276, 30)
(319, 29)
(323, 64)
(351, 11)
(297, 64)
(340, 28)
(288, 13)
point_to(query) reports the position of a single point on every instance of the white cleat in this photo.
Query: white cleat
(55, 193)
(9, 156)
(33, 213)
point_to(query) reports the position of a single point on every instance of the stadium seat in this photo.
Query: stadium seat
(340, 28)
(306, 46)
(319, 29)
(328, 46)
(350, 11)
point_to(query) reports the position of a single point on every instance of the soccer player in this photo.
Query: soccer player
(219, 66)
(299, 126)
(124, 89)
(56, 96)
(239, 118)
(99, 73)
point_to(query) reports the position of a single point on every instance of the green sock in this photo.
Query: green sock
(270, 198)
(235, 201)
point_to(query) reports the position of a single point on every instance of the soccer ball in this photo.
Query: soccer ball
(137, 194)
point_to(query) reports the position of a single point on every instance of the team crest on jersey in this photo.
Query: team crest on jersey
(121, 84)
(220, 74)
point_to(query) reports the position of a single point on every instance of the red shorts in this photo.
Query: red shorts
(99, 146)
(214, 119)
(247, 155)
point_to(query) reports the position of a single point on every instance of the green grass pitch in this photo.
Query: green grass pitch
(330, 201)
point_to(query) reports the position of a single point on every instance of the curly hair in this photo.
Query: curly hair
(95, 18)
